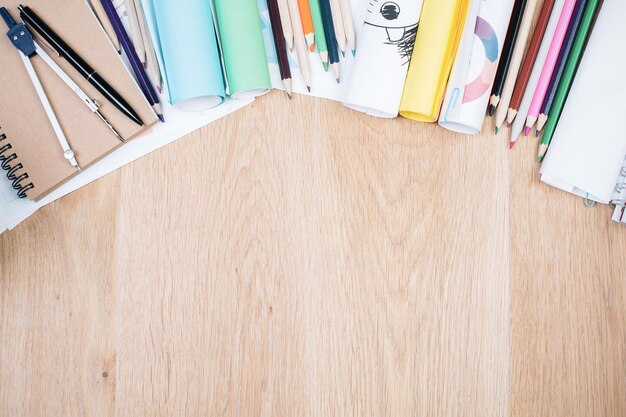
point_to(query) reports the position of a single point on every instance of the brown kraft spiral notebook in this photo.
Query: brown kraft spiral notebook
(25, 130)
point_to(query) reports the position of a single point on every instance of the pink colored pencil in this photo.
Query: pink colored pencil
(548, 68)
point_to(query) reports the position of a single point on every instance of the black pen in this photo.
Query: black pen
(34, 21)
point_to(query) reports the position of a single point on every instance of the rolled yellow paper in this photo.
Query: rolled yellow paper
(436, 43)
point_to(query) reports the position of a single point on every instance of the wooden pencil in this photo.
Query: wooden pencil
(529, 60)
(507, 53)
(517, 127)
(106, 23)
(320, 33)
(307, 24)
(300, 43)
(135, 30)
(516, 61)
(280, 45)
(152, 63)
(285, 19)
(331, 40)
(557, 75)
(348, 25)
(340, 33)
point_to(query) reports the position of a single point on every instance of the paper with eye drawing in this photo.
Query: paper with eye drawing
(475, 66)
(385, 45)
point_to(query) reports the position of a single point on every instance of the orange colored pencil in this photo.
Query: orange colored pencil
(307, 24)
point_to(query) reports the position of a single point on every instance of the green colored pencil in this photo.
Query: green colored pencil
(320, 34)
(573, 61)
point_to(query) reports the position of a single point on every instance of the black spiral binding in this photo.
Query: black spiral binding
(13, 171)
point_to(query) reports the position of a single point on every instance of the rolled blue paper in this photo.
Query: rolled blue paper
(190, 53)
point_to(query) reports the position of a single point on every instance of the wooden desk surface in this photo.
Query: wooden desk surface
(300, 259)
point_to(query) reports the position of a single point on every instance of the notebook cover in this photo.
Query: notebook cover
(22, 116)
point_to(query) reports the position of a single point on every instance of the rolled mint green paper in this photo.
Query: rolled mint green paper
(243, 49)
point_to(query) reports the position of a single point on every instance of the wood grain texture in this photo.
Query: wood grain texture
(325, 265)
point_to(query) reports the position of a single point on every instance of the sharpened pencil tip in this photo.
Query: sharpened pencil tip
(353, 53)
(338, 81)
(537, 132)
(325, 65)
(308, 88)
(161, 118)
(511, 144)
(526, 131)
(343, 53)
(492, 110)
(497, 130)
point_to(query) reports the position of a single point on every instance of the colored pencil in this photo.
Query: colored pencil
(517, 126)
(560, 65)
(516, 61)
(307, 24)
(548, 67)
(578, 49)
(138, 70)
(300, 43)
(348, 25)
(135, 30)
(152, 63)
(285, 19)
(529, 60)
(340, 32)
(106, 23)
(331, 40)
(279, 44)
(507, 53)
(320, 33)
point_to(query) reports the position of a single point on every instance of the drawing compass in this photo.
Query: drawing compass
(23, 40)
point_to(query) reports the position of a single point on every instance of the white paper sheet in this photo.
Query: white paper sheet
(385, 46)
(589, 144)
(475, 66)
